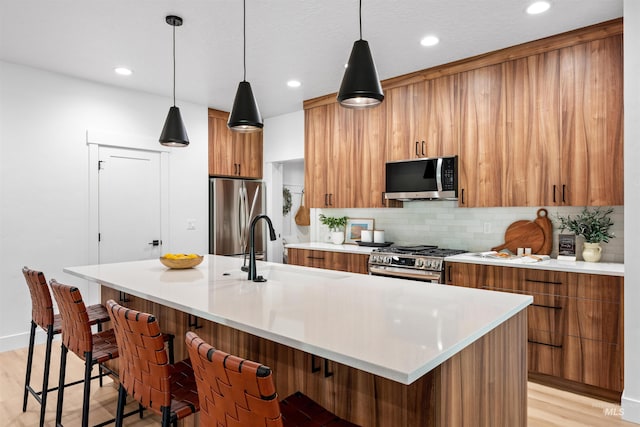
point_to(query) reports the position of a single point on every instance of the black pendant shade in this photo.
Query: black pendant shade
(360, 86)
(174, 133)
(245, 115)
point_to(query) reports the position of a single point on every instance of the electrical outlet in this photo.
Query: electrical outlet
(191, 224)
(487, 228)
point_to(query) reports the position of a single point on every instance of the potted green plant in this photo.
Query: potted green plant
(594, 226)
(336, 227)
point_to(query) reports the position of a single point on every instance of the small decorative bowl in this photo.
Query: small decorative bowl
(181, 263)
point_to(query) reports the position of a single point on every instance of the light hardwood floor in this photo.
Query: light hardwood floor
(547, 406)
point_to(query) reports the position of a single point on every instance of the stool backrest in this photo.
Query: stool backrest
(232, 388)
(41, 303)
(76, 329)
(144, 364)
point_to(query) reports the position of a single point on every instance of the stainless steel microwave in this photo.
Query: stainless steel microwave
(422, 179)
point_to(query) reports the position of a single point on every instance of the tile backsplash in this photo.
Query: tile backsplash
(444, 224)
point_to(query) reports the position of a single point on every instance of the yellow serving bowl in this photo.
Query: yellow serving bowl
(179, 263)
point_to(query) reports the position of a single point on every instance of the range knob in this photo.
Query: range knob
(420, 262)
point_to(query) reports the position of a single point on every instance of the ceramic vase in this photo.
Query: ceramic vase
(337, 237)
(591, 252)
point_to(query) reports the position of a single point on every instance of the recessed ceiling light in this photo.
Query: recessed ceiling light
(429, 41)
(123, 71)
(538, 7)
(293, 83)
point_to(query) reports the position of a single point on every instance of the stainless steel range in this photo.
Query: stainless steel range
(423, 262)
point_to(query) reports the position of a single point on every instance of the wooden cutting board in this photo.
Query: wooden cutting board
(302, 216)
(545, 224)
(522, 234)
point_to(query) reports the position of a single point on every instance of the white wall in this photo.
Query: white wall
(283, 137)
(44, 187)
(631, 395)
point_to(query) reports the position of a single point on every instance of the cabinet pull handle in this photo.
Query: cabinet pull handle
(544, 343)
(417, 152)
(462, 196)
(193, 322)
(449, 274)
(423, 153)
(325, 199)
(327, 372)
(315, 257)
(330, 199)
(542, 281)
(563, 191)
(546, 306)
(554, 193)
(314, 368)
(383, 201)
(122, 297)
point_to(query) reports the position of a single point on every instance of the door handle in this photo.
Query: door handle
(155, 243)
(417, 152)
(423, 154)
(554, 193)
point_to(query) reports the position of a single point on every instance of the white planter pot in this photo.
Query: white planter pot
(591, 252)
(337, 237)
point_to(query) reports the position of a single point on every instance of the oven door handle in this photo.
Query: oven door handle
(404, 273)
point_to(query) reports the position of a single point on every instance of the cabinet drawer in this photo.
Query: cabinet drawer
(593, 362)
(546, 319)
(595, 320)
(545, 359)
(543, 282)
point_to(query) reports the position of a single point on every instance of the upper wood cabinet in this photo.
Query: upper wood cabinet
(344, 157)
(482, 135)
(421, 119)
(233, 154)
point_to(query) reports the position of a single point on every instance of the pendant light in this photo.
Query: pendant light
(360, 86)
(174, 133)
(245, 115)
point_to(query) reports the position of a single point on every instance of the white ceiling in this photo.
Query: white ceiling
(309, 40)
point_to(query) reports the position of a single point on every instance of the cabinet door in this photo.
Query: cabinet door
(482, 128)
(364, 171)
(221, 155)
(532, 149)
(406, 120)
(463, 274)
(442, 117)
(591, 95)
(247, 154)
(317, 126)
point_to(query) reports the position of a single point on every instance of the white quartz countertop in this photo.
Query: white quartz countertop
(318, 246)
(604, 268)
(398, 329)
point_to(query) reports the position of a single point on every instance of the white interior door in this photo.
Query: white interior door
(129, 205)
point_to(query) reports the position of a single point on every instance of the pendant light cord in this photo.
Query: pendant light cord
(174, 65)
(360, 14)
(244, 40)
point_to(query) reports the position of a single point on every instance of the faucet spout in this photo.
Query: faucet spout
(253, 274)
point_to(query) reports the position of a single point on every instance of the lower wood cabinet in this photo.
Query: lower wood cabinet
(575, 324)
(341, 261)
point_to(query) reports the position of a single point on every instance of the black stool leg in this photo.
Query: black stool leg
(63, 368)
(88, 364)
(45, 380)
(27, 380)
(122, 398)
(166, 416)
(100, 371)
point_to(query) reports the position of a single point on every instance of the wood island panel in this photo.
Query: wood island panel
(482, 385)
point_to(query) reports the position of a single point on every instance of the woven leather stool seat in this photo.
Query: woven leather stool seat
(42, 315)
(78, 337)
(239, 392)
(145, 372)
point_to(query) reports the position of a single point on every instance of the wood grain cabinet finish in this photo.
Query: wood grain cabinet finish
(422, 119)
(575, 324)
(344, 157)
(233, 154)
(340, 261)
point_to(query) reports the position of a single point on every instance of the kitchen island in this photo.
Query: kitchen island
(374, 350)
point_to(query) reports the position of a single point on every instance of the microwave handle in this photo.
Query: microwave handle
(439, 174)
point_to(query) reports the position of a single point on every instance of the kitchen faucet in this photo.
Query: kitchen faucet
(253, 274)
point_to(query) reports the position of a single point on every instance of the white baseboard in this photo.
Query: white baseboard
(630, 408)
(16, 341)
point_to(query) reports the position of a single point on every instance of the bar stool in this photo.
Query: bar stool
(42, 315)
(94, 349)
(235, 391)
(145, 372)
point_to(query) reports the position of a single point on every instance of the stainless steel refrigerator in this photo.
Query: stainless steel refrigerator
(233, 203)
